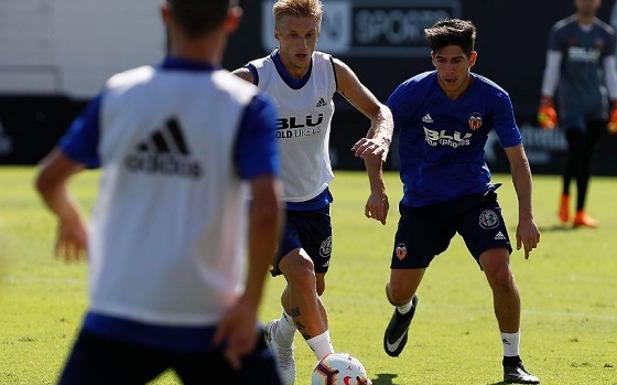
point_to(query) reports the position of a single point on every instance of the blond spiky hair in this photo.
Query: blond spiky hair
(299, 8)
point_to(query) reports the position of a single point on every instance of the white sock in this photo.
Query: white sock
(285, 330)
(321, 345)
(404, 309)
(511, 342)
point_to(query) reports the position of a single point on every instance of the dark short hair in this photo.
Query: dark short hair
(452, 32)
(199, 17)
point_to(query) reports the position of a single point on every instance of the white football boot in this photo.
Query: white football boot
(284, 355)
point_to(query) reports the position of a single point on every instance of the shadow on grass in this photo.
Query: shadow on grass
(384, 379)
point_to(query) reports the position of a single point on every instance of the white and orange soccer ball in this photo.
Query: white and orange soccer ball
(339, 369)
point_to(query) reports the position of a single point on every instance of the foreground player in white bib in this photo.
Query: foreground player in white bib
(179, 144)
(302, 83)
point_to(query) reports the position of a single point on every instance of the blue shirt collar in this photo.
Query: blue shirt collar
(295, 84)
(175, 63)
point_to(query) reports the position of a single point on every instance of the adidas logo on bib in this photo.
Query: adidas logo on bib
(321, 103)
(164, 152)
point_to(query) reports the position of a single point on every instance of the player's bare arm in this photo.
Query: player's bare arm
(374, 147)
(379, 135)
(51, 182)
(527, 233)
(244, 74)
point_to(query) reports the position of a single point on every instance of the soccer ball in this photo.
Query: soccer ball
(339, 369)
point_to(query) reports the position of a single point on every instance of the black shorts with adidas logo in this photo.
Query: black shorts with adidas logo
(309, 230)
(424, 232)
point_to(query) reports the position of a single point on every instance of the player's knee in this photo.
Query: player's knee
(398, 293)
(501, 278)
(298, 270)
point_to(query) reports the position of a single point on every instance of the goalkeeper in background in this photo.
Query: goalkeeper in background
(579, 62)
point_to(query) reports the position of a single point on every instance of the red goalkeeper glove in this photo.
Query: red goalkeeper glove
(547, 116)
(612, 121)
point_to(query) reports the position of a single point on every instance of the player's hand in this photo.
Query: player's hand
(377, 206)
(238, 329)
(612, 121)
(71, 239)
(527, 236)
(547, 116)
(367, 148)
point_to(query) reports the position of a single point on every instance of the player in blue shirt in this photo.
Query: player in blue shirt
(180, 145)
(580, 62)
(444, 118)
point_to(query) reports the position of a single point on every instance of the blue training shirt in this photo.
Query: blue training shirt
(442, 140)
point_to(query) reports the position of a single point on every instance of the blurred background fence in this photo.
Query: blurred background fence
(56, 54)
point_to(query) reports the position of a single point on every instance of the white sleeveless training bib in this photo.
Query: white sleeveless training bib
(303, 125)
(171, 206)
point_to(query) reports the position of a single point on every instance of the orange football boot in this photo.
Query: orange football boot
(582, 219)
(564, 208)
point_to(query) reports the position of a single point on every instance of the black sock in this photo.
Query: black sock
(594, 129)
(576, 148)
(511, 361)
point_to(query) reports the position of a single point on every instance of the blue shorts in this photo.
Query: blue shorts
(98, 360)
(308, 230)
(424, 232)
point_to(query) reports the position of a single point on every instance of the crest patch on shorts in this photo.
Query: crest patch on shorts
(401, 251)
(488, 219)
(326, 247)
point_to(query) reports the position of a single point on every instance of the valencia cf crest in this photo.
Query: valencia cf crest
(401, 251)
(599, 43)
(326, 248)
(488, 219)
(475, 121)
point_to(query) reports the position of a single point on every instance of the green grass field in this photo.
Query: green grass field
(568, 290)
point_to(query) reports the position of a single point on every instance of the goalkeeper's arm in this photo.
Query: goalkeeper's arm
(610, 73)
(547, 115)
